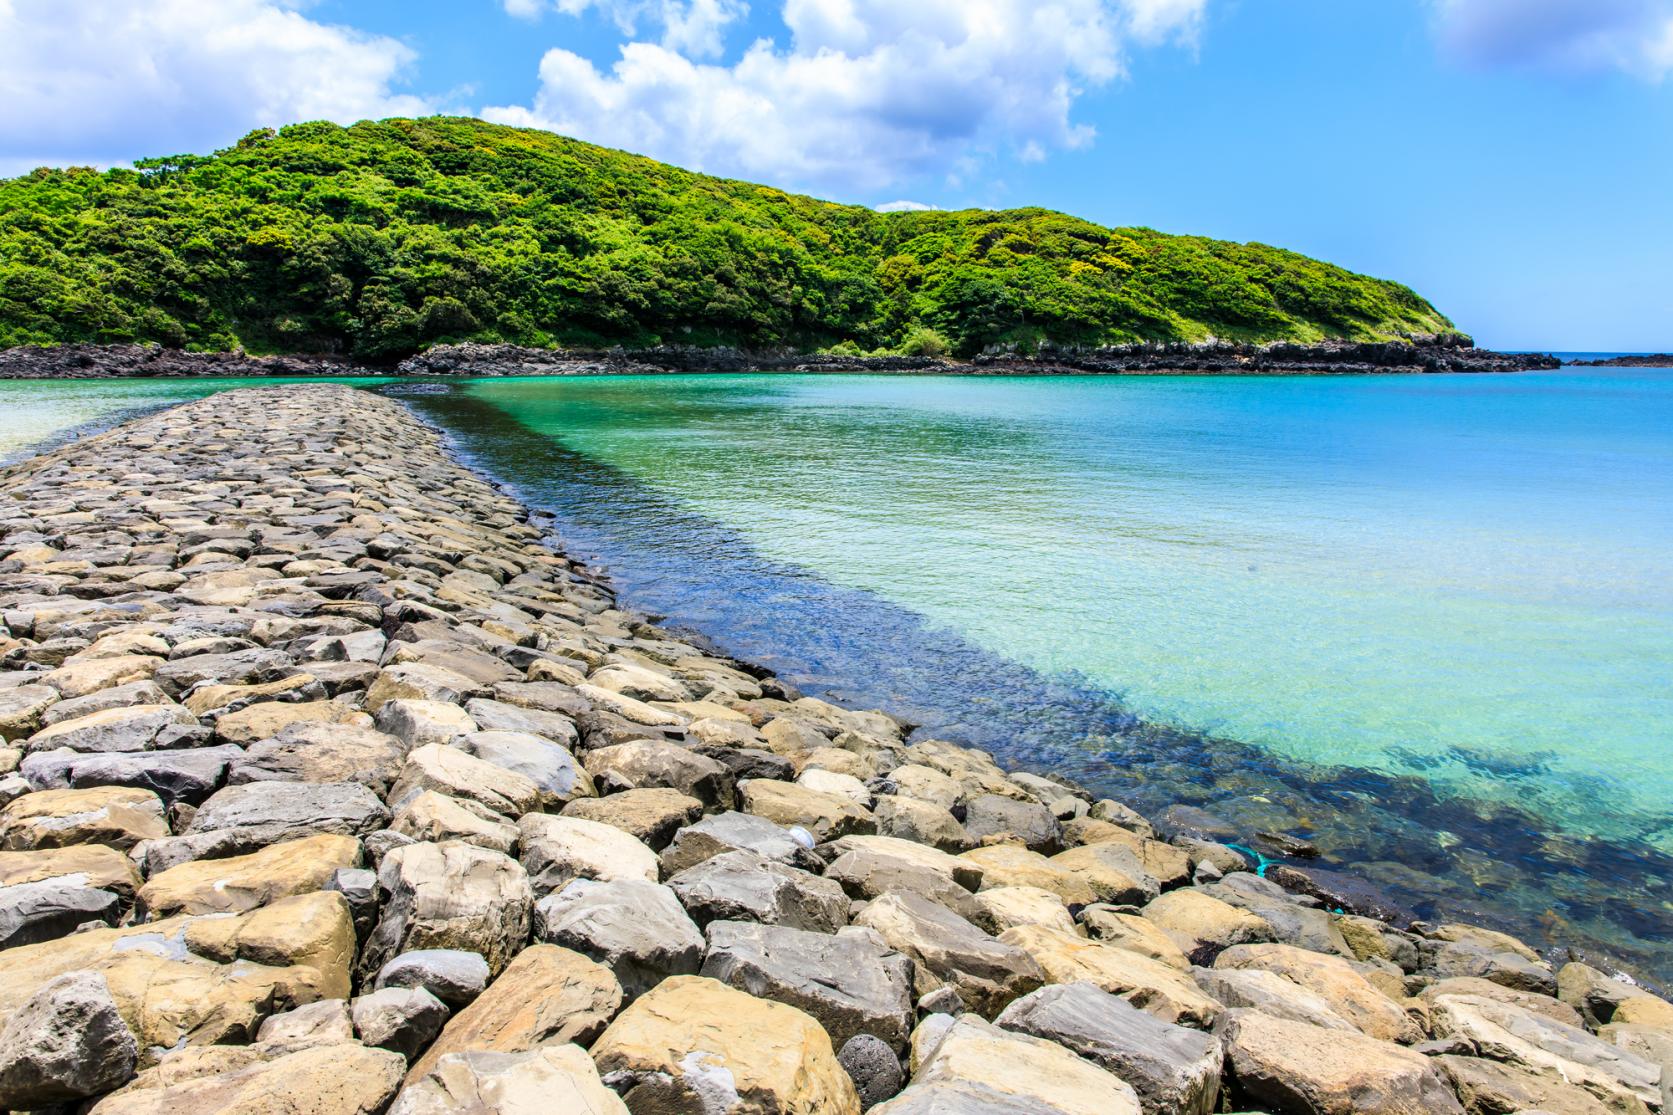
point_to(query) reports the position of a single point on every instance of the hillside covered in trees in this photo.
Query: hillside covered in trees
(377, 240)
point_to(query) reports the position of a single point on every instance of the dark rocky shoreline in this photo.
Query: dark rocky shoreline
(331, 786)
(1653, 360)
(1426, 355)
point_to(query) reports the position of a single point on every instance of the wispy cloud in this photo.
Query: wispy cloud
(81, 79)
(865, 93)
(1575, 36)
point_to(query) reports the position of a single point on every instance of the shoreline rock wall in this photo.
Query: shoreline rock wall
(326, 784)
(1425, 355)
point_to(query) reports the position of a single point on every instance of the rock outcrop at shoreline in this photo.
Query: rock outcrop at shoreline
(328, 785)
(1652, 360)
(1424, 355)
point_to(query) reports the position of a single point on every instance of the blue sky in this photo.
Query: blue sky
(1510, 159)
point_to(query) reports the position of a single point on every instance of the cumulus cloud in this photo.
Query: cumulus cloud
(904, 206)
(865, 93)
(692, 27)
(101, 81)
(1566, 35)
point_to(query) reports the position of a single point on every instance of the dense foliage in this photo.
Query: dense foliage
(379, 239)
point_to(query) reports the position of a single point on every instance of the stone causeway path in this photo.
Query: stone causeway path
(328, 787)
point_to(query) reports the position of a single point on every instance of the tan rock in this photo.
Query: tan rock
(314, 931)
(420, 682)
(1133, 933)
(546, 996)
(1168, 865)
(1644, 1010)
(173, 1003)
(826, 816)
(79, 677)
(1503, 1032)
(1113, 871)
(1553, 1009)
(436, 817)
(1008, 907)
(976, 1059)
(948, 951)
(700, 1032)
(1203, 926)
(558, 849)
(1148, 984)
(21, 709)
(450, 896)
(240, 883)
(205, 699)
(1489, 1088)
(1012, 865)
(93, 865)
(1292, 1066)
(347, 1079)
(629, 709)
(650, 815)
(119, 816)
(450, 771)
(1349, 993)
(926, 784)
(553, 1080)
(420, 723)
(269, 718)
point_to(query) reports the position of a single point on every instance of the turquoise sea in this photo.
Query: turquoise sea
(1425, 621)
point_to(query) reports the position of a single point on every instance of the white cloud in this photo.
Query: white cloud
(102, 81)
(692, 27)
(866, 93)
(904, 206)
(1565, 35)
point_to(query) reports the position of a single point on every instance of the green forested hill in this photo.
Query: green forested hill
(381, 238)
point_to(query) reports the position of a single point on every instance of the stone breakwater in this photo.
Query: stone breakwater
(327, 785)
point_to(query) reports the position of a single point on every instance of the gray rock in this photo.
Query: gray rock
(550, 766)
(725, 832)
(921, 822)
(450, 895)
(1175, 1071)
(454, 976)
(116, 696)
(1291, 922)
(134, 728)
(946, 1097)
(175, 776)
(318, 752)
(273, 811)
(1480, 956)
(51, 908)
(244, 667)
(649, 764)
(943, 1000)
(498, 716)
(324, 1022)
(359, 885)
(873, 1067)
(1271, 994)
(850, 982)
(403, 1019)
(743, 886)
(948, 950)
(66, 1043)
(636, 929)
(1033, 824)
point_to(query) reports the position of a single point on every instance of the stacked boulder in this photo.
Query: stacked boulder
(327, 785)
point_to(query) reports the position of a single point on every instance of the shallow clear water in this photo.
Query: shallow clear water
(36, 411)
(1445, 576)
(1427, 621)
